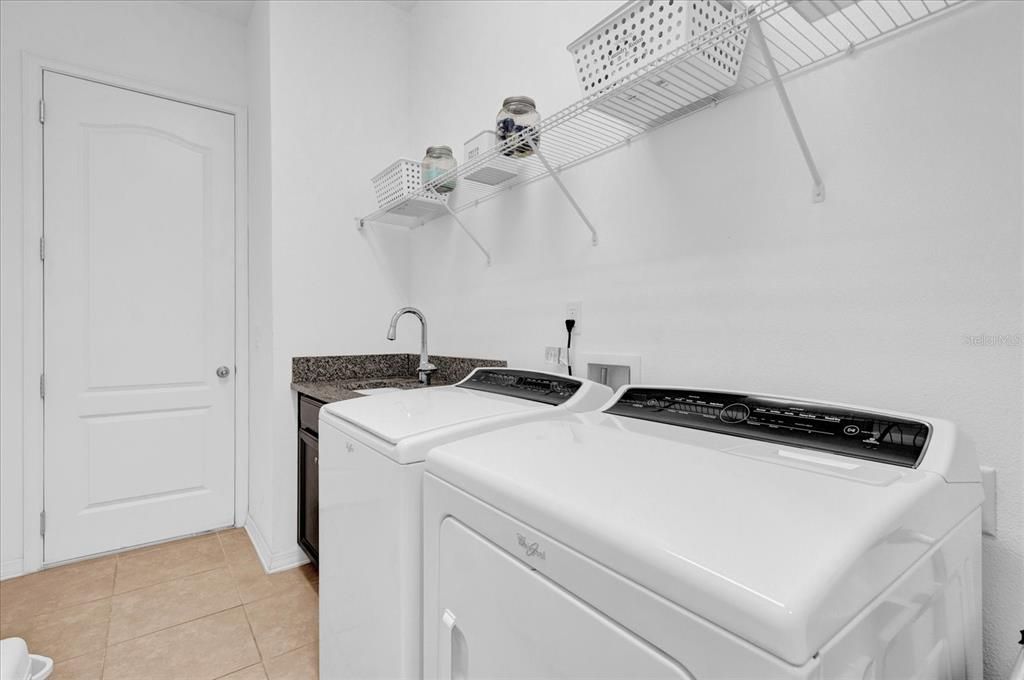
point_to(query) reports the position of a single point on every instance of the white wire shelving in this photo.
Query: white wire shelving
(783, 37)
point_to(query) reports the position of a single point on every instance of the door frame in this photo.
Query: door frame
(33, 445)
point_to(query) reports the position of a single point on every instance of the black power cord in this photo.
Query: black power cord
(569, 325)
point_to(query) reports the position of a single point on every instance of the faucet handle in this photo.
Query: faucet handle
(425, 370)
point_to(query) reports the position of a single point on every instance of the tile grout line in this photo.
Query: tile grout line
(171, 580)
(234, 569)
(161, 547)
(265, 575)
(110, 619)
(245, 612)
(103, 649)
(183, 623)
(173, 625)
(225, 566)
(244, 668)
(290, 651)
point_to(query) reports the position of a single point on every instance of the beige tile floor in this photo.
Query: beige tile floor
(195, 609)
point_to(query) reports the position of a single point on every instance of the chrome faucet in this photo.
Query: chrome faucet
(425, 367)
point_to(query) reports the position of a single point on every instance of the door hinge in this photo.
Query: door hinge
(42, 523)
(42, 111)
(42, 248)
(42, 386)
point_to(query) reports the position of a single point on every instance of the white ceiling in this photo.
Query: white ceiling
(237, 11)
(403, 4)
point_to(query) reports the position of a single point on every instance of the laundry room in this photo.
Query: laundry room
(647, 339)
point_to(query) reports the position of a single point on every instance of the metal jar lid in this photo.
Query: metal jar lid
(439, 150)
(526, 101)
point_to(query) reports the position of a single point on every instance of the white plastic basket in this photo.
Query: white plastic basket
(642, 31)
(397, 181)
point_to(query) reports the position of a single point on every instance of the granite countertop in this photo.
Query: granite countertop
(340, 390)
(336, 378)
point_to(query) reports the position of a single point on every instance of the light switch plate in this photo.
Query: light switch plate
(988, 508)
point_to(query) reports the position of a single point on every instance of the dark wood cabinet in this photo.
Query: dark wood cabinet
(309, 477)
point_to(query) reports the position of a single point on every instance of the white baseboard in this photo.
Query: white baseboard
(273, 562)
(11, 568)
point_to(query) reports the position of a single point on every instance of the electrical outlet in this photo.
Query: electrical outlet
(574, 311)
(553, 355)
(988, 508)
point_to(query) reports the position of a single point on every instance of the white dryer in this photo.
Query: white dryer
(686, 533)
(371, 469)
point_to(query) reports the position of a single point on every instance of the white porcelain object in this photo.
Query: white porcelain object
(17, 664)
(371, 463)
(1018, 668)
(41, 667)
(379, 390)
(602, 546)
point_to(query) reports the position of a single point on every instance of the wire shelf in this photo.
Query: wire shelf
(798, 34)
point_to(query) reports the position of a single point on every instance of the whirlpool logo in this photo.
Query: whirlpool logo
(532, 549)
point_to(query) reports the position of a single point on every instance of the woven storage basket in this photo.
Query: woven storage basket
(643, 31)
(397, 181)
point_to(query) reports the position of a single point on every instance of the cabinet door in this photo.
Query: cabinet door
(309, 495)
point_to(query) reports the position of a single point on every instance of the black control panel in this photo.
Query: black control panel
(540, 387)
(859, 434)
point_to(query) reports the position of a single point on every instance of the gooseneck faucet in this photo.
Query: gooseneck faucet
(425, 367)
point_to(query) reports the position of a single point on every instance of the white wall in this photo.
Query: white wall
(167, 45)
(715, 266)
(261, 316)
(337, 105)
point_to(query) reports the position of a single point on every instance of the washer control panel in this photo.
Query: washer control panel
(542, 387)
(809, 425)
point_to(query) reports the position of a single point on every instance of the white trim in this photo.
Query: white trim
(273, 562)
(133, 548)
(11, 568)
(241, 316)
(32, 360)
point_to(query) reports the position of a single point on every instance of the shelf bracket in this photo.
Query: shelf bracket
(464, 228)
(819, 186)
(558, 181)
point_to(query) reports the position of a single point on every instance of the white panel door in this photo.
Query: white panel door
(139, 315)
(501, 619)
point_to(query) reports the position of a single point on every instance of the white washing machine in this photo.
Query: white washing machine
(371, 470)
(686, 533)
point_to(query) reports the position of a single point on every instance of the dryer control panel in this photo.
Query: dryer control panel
(542, 387)
(809, 425)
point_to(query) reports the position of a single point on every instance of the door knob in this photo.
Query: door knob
(223, 372)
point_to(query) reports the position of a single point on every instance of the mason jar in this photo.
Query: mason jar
(438, 161)
(518, 114)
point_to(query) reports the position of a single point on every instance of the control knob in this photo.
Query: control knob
(734, 413)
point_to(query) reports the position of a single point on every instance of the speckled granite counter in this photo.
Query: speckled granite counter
(335, 378)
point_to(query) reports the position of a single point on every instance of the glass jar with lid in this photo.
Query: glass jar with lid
(437, 162)
(518, 114)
